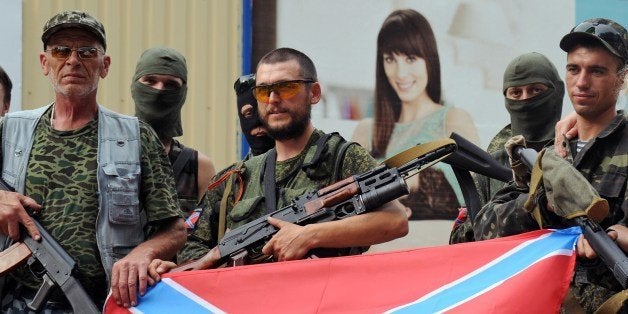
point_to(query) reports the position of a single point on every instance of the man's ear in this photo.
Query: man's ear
(43, 62)
(315, 91)
(106, 61)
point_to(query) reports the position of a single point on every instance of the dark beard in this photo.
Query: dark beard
(292, 130)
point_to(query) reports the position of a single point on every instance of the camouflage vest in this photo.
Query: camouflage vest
(319, 166)
(120, 222)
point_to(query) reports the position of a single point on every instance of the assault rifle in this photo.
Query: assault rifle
(349, 197)
(59, 267)
(614, 258)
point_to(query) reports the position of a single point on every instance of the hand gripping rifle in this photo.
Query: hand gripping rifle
(59, 267)
(614, 258)
(349, 197)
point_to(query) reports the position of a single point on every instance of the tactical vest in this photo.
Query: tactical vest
(320, 167)
(184, 161)
(119, 225)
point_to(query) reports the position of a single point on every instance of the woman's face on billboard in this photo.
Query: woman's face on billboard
(407, 74)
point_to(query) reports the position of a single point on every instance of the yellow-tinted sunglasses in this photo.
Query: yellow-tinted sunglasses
(285, 90)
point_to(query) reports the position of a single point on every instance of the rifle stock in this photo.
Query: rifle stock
(471, 158)
(352, 196)
(614, 258)
(59, 267)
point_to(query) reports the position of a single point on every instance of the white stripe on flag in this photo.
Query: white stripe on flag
(202, 302)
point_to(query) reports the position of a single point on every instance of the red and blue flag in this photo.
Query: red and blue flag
(526, 273)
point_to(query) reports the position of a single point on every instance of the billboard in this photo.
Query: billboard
(473, 41)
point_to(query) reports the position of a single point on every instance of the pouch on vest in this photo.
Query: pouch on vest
(567, 190)
(318, 163)
(244, 209)
(124, 205)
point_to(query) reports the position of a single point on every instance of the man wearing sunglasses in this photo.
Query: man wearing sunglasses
(286, 88)
(98, 181)
(597, 63)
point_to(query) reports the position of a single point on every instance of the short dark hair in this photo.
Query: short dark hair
(5, 81)
(308, 70)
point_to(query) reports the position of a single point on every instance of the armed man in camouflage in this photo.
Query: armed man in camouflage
(286, 88)
(98, 181)
(597, 57)
(533, 95)
(256, 137)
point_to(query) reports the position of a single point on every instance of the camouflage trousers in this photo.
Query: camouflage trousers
(591, 297)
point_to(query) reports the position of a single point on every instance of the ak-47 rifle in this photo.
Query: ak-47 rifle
(349, 197)
(614, 258)
(58, 264)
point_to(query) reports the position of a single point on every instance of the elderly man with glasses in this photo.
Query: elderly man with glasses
(286, 89)
(98, 181)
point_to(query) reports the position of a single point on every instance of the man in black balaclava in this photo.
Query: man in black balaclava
(251, 125)
(159, 89)
(259, 142)
(533, 93)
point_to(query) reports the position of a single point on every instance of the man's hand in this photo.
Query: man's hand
(584, 249)
(130, 274)
(126, 275)
(520, 173)
(13, 213)
(208, 260)
(618, 233)
(158, 267)
(289, 243)
(565, 129)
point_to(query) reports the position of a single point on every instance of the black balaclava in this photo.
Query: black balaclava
(160, 108)
(244, 92)
(535, 117)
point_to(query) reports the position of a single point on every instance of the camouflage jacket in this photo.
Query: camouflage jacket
(292, 180)
(603, 161)
(487, 186)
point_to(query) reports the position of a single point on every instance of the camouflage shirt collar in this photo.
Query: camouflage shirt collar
(618, 122)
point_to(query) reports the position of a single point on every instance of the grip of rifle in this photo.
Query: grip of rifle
(606, 249)
(41, 297)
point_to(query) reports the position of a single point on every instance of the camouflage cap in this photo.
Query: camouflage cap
(77, 19)
(607, 32)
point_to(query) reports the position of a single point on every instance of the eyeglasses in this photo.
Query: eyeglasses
(244, 83)
(285, 90)
(64, 52)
